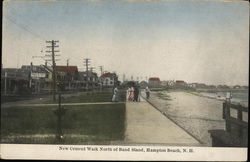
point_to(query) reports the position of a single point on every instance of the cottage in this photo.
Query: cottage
(87, 80)
(109, 79)
(154, 82)
(37, 75)
(143, 84)
(67, 76)
(15, 81)
(180, 84)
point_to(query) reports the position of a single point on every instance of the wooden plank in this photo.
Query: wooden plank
(237, 121)
(238, 107)
(227, 139)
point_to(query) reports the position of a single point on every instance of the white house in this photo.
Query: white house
(109, 79)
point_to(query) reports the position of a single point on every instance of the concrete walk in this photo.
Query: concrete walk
(146, 125)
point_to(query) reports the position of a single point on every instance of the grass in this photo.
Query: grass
(92, 122)
(52, 140)
(93, 97)
(83, 97)
(164, 96)
(158, 89)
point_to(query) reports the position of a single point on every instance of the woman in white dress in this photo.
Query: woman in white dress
(132, 94)
(128, 93)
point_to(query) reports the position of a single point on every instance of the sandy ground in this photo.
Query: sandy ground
(195, 114)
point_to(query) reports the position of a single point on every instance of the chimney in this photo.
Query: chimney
(67, 62)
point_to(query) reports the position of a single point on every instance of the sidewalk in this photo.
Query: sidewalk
(146, 125)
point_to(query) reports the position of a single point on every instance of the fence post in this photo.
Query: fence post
(239, 117)
(224, 111)
(227, 116)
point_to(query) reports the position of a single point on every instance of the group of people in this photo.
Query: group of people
(133, 94)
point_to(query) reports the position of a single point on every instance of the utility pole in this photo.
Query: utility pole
(92, 68)
(87, 64)
(123, 77)
(101, 80)
(91, 77)
(101, 69)
(52, 52)
(5, 82)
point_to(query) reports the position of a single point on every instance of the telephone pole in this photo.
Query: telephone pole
(123, 77)
(91, 77)
(51, 54)
(87, 64)
(101, 69)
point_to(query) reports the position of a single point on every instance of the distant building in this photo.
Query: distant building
(245, 87)
(143, 84)
(211, 86)
(109, 79)
(223, 87)
(87, 80)
(154, 82)
(37, 75)
(237, 87)
(15, 81)
(199, 85)
(71, 72)
(180, 84)
(67, 76)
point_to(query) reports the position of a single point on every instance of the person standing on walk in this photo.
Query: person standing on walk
(147, 92)
(128, 94)
(115, 95)
(136, 94)
(132, 94)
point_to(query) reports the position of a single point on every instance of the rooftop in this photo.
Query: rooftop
(71, 70)
(108, 74)
(154, 79)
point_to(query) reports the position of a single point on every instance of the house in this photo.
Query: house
(109, 79)
(180, 84)
(164, 83)
(15, 81)
(67, 76)
(37, 75)
(87, 80)
(154, 82)
(222, 87)
(143, 84)
(198, 85)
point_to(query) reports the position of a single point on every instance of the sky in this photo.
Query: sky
(194, 41)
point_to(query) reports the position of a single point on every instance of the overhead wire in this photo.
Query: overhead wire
(24, 28)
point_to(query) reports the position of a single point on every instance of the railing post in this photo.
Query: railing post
(239, 117)
(224, 111)
(227, 116)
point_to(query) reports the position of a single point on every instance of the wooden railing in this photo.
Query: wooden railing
(236, 126)
(236, 133)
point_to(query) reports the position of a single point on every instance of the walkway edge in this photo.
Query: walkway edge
(163, 113)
